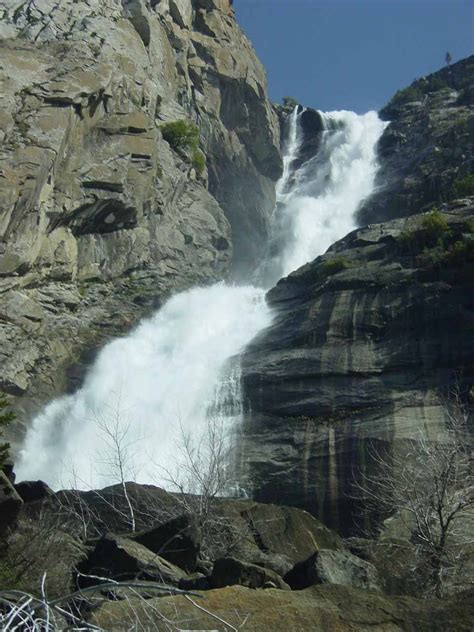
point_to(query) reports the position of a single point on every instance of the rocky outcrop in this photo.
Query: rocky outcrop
(428, 145)
(100, 217)
(231, 572)
(364, 341)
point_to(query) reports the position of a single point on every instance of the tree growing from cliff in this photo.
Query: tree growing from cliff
(430, 488)
(6, 417)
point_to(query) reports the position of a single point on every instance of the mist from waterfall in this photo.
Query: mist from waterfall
(176, 370)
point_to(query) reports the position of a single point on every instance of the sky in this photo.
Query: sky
(353, 54)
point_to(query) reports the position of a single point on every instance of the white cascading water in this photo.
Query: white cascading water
(164, 380)
(316, 206)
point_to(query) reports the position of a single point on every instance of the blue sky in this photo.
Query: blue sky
(353, 54)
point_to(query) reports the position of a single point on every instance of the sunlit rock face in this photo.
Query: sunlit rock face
(364, 340)
(100, 217)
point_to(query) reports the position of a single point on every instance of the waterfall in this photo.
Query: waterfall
(177, 370)
(320, 204)
(291, 146)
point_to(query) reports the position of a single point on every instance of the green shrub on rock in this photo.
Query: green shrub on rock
(181, 134)
(332, 266)
(198, 161)
(464, 186)
(434, 232)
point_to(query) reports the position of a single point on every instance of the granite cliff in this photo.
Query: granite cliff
(428, 145)
(368, 336)
(100, 216)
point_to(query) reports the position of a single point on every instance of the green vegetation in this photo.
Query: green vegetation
(417, 90)
(433, 232)
(435, 225)
(458, 253)
(464, 186)
(469, 226)
(289, 102)
(181, 135)
(435, 245)
(332, 266)
(198, 161)
(5, 418)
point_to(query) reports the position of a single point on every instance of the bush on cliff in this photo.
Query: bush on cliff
(464, 186)
(434, 231)
(332, 266)
(181, 135)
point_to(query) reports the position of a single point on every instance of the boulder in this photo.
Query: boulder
(10, 504)
(121, 559)
(230, 572)
(196, 581)
(333, 567)
(178, 541)
(319, 608)
(31, 491)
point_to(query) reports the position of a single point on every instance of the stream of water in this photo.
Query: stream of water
(150, 391)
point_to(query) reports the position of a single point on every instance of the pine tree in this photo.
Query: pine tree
(6, 417)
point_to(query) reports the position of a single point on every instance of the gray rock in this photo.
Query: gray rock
(178, 541)
(230, 572)
(122, 559)
(32, 491)
(334, 567)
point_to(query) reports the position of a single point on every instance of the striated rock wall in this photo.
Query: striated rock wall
(100, 218)
(364, 341)
(427, 146)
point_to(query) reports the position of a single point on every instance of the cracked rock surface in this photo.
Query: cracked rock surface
(100, 218)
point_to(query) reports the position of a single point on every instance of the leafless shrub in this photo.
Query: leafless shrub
(205, 475)
(430, 489)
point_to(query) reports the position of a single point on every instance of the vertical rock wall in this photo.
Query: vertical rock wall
(100, 218)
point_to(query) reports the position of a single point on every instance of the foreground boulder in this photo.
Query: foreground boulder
(230, 572)
(118, 558)
(32, 491)
(320, 608)
(333, 567)
(178, 541)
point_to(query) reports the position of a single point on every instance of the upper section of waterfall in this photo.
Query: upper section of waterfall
(317, 200)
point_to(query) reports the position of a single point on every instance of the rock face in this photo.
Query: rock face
(363, 341)
(100, 218)
(428, 145)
